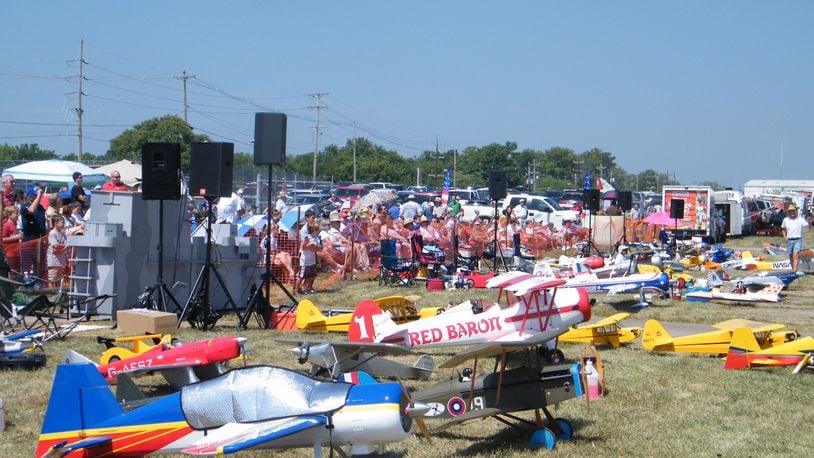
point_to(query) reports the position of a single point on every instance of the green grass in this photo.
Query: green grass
(656, 404)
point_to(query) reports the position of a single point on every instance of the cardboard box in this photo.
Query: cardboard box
(140, 321)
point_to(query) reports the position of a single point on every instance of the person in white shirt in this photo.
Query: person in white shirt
(792, 227)
(227, 209)
(520, 213)
(280, 205)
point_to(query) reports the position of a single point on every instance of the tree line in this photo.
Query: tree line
(554, 168)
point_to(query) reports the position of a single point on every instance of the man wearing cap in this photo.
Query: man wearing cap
(792, 227)
(521, 213)
(411, 209)
(440, 209)
(78, 192)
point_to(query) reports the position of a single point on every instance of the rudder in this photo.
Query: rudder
(367, 322)
(307, 314)
(743, 343)
(654, 335)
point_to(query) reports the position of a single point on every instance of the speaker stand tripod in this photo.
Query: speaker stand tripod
(496, 251)
(259, 305)
(198, 310)
(623, 240)
(159, 289)
(586, 249)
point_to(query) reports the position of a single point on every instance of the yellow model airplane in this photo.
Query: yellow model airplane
(401, 308)
(656, 338)
(745, 352)
(605, 331)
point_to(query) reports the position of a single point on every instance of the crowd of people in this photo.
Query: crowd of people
(36, 225)
(349, 239)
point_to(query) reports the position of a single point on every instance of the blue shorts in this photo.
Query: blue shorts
(794, 245)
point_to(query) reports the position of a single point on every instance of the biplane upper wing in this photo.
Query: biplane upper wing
(236, 437)
(755, 326)
(484, 351)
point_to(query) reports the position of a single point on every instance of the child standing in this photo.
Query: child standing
(57, 250)
(309, 247)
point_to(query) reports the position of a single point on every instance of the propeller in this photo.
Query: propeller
(241, 342)
(302, 352)
(416, 411)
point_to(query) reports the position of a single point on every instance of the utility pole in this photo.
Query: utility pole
(79, 110)
(354, 151)
(532, 175)
(436, 162)
(318, 107)
(184, 77)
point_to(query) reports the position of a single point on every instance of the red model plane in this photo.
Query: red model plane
(181, 364)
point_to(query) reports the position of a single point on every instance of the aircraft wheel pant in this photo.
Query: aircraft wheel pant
(543, 438)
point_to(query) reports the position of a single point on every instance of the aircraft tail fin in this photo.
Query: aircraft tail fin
(368, 322)
(425, 363)
(80, 399)
(307, 314)
(357, 378)
(743, 343)
(655, 335)
(72, 357)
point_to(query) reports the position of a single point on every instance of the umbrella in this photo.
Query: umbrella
(54, 171)
(250, 222)
(293, 216)
(611, 195)
(374, 197)
(129, 170)
(662, 218)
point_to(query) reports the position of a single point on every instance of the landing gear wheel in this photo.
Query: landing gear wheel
(566, 430)
(543, 438)
(554, 356)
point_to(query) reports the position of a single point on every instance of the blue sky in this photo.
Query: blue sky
(704, 90)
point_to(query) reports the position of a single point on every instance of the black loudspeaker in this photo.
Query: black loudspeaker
(590, 200)
(210, 169)
(677, 208)
(269, 138)
(626, 200)
(160, 164)
(497, 184)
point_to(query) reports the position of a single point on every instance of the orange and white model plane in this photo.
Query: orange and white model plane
(767, 335)
(604, 332)
(541, 311)
(746, 352)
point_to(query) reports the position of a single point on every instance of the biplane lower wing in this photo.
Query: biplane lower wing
(469, 416)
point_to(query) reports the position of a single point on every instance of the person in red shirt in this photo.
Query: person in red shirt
(11, 234)
(115, 183)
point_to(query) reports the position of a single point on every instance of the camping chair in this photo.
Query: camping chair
(40, 311)
(430, 258)
(395, 270)
(521, 261)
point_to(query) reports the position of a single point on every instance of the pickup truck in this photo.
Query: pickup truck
(542, 209)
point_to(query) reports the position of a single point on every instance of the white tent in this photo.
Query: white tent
(129, 170)
(54, 171)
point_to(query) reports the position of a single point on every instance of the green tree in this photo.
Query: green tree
(598, 162)
(561, 163)
(127, 145)
(477, 162)
(25, 152)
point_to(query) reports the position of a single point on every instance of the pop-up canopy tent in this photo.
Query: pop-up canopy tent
(55, 171)
(129, 170)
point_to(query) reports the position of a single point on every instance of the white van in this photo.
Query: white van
(733, 210)
(542, 209)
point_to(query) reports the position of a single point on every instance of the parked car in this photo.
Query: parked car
(542, 209)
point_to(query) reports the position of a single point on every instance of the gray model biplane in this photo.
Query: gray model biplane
(505, 391)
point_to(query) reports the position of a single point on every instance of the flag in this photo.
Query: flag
(599, 183)
(604, 184)
(587, 179)
(445, 192)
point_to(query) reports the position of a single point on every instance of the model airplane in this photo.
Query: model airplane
(656, 337)
(181, 365)
(401, 309)
(764, 279)
(138, 345)
(259, 407)
(745, 352)
(749, 262)
(541, 312)
(770, 293)
(338, 357)
(17, 351)
(605, 331)
(504, 391)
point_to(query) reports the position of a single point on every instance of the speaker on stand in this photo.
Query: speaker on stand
(590, 201)
(269, 149)
(497, 191)
(676, 213)
(160, 180)
(210, 176)
(626, 204)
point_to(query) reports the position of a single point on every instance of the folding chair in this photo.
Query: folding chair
(430, 259)
(521, 261)
(395, 270)
(39, 312)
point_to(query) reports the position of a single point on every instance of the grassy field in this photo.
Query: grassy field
(655, 404)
